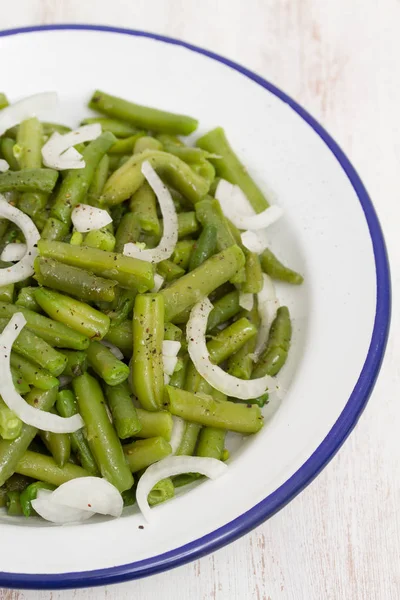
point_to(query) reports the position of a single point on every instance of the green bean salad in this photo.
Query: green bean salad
(138, 316)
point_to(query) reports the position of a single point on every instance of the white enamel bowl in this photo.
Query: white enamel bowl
(341, 314)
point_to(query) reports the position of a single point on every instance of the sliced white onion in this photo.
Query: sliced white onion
(261, 220)
(174, 465)
(45, 506)
(246, 301)
(170, 219)
(167, 379)
(169, 364)
(253, 241)
(28, 414)
(116, 351)
(4, 166)
(32, 106)
(158, 283)
(214, 375)
(267, 304)
(59, 152)
(239, 210)
(178, 427)
(85, 218)
(13, 252)
(92, 494)
(170, 347)
(23, 268)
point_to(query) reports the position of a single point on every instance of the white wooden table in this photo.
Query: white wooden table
(340, 539)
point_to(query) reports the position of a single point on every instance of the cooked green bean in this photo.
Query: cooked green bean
(205, 169)
(146, 142)
(122, 337)
(122, 307)
(224, 309)
(77, 181)
(29, 141)
(26, 298)
(148, 335)
(125, 417)
(76, 362)
(204, 410)
(54, 333)
(98, 181)
(127, 179)
(187, 224)
(102, 438)
(169, 270)
(254, 278)
(163, 490)
(241, 364)
(182, 253)
(28, 180)
(48, 129)
(205, 246)
(75, 314)
(185, 153)
(31, 373)
(178, 377)
(106, 365)
(229, 340)
(100, 239)
(34, 348)
(143, 205)
(10, 424)
(154, 424)
(172, 332)
(74, 281)
(275, 269)
(275, 354)
(21, 384)
(7, 152)
(67, 407)
(260, 401)
(14, 508)
(7, 293)
(126, 145)
(30, 493)
(119, 128)
(128, 231)
(58, 444)
(54, 230)
(193, 286)
(229, 167)
(142, 116)
(143, 453)
(211, 442)
(129, 272)
(46, 469)
(11, 451)
(195, 383)
(208, 212)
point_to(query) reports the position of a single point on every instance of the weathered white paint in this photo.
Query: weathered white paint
(340, 539)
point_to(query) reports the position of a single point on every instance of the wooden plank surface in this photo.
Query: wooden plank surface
(340, 539)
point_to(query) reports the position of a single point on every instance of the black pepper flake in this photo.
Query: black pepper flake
(140, 527)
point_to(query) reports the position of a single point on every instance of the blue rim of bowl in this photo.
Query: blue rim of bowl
(336, 436)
